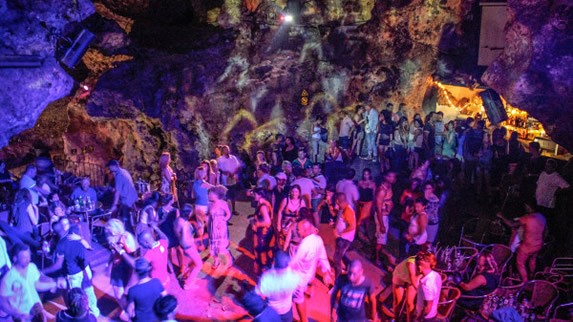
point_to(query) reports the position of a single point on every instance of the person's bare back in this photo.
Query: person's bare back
(184, 233)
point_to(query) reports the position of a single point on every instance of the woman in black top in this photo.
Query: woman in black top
(290, 151)
(484, 281)
(385, 135)
(366, 188)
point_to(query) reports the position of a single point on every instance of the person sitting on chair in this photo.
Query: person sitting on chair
(485, 281)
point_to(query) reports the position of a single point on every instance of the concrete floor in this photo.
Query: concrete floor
(216, 296)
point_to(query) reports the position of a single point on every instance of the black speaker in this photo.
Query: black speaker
(78, 48)
(493, 106)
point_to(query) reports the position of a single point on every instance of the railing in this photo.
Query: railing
(94, 171)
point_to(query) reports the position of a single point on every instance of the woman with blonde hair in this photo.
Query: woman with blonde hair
(211, 176)
(405, 281)
(219, 216)
(199, 193)
(485, 281)
(121, 271)
(168, 177)
(214, 172)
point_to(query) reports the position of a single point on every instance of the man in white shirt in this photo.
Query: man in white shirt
(346, 125)
(429, 288)
(229, 166)
(310, 254)
(19, 288)
(278, 285)
(306, 185)
(371, 128)
(349, 188)
(263, 175)
(548, 184)
(28, 182)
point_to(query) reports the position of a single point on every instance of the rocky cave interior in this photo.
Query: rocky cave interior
(185, 75)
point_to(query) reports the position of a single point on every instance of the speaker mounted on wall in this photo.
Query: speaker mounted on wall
(78, 48)
(493, 106)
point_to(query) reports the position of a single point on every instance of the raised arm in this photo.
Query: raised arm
(56, 266)
(280, 214)
(511, 224)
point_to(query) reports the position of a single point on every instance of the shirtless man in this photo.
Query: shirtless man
(184, 232)
(384, 206)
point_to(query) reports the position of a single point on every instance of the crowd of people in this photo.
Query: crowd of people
(295, 186)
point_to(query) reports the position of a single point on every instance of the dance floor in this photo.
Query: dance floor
(215, 296)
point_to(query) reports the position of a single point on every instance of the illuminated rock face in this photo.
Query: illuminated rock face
(162, 84)
(211, 86)
(27, 28)
(534, 71)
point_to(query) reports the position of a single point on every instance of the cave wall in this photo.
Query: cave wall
(534, 71)
(186, 78)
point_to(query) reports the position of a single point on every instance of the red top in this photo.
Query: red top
(158, 257)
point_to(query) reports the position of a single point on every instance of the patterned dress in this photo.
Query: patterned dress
(218, 232)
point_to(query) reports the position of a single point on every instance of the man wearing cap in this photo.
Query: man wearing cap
(280, 192)
(142, 296)
(278, 285)
(125, 194)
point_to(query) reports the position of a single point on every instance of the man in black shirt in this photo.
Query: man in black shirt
(71, 258)
(141, 297)
(354, 290)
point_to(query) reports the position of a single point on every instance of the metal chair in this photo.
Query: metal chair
(95, 220)
(563, 313)
(44, 231)
(553, 278)
(541, 296)
(448, 298)
(563, 266)
(502, 255)
(473, 234)
(511, 285)
(468, 311)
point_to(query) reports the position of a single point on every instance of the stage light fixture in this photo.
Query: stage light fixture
(288, 18)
